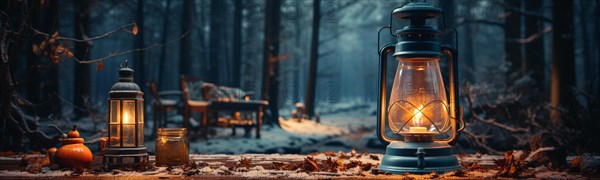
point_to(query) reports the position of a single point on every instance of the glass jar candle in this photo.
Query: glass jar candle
(172, 147)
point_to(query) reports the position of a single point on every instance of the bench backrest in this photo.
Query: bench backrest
(154, 91)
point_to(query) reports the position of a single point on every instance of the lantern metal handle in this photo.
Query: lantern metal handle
(458, 123)
(381, 105)
(389, 26)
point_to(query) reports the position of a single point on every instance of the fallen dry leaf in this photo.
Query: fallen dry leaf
(34, 164)
(511, 167)
(68, 53)
(379, 171)
(470, 166)
(331, 165)
(329, 153)
(459, 173)
(100, 66)
(135, 29)
(343, 155)
(36, 50)
(244, 162)
(286, 166)
(366, 166)
(309, 164)
(353, 163)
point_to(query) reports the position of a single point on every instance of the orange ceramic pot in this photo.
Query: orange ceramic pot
(73, 153)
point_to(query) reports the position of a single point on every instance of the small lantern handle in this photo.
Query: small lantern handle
(124, 64)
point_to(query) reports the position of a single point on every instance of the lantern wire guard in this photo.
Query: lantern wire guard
(419, 152)
(126, 139)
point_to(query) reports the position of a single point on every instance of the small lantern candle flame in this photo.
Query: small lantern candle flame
(126, 118)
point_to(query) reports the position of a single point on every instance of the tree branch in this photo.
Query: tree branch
(479, 21)
(130, 51)
(86, 40)
(480, 141)
(532, 37)
(528, 13)
(470, 98)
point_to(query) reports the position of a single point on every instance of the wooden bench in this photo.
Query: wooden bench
(212, 106)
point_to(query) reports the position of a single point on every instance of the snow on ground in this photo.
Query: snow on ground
(343, 119)
(310, 127)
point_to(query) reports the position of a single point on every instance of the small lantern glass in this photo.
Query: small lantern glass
(126, 122)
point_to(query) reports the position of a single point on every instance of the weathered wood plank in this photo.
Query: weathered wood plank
(222, 166)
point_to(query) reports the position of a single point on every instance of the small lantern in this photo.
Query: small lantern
(424, 123)
(125, 122)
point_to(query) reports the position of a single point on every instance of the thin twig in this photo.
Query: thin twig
(469, 95)
(69, 103)
(478, 21)
(500, 125)
(529, 13)
(86, 39)
(131, 50)
(532, 37)
(480, 141)
(105, 35)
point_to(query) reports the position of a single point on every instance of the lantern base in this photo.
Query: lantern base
(124, 157)
(419, 157)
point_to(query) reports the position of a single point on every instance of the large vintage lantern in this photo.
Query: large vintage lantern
(126, 122)
(422, 120)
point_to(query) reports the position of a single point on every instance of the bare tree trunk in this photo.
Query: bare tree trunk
(314, 55)
(467, 52)
(163, 52)
(32, 74)
(82, 74)
(13, 125)
(186, 42)
(139, 61)
(563, 66)
(598, 48)
(215, 39)
(50, 87)
(534, 50)
(587, 56)
(270, 84)
(237, 43)
(512, 49)
(297, 59)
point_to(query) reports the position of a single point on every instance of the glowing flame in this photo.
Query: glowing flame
(126, 118)
(417, 120)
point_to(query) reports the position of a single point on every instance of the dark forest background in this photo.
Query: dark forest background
(526, 66)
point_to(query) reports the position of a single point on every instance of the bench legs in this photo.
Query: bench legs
(259, 118)
(205, 124)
